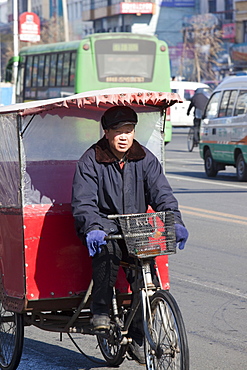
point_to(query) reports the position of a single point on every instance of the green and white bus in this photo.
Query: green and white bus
(96, 62)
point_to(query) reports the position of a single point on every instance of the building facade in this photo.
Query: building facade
(170, 20)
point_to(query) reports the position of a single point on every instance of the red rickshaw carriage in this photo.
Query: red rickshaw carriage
(45, 271)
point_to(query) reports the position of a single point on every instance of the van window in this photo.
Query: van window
(227, 103)
(241, 106)
(212, 107)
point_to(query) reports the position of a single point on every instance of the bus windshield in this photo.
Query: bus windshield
(120, 60)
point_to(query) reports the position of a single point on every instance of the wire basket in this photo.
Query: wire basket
(149, 234)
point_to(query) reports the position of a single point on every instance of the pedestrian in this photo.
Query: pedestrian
(117, 175)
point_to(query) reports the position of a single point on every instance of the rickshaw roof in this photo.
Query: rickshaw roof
(115, 96)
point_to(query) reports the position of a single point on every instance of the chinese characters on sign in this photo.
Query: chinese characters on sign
(29, 27)
(178, 3)
(136, 8)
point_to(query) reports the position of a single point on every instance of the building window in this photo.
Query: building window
(212, 6)
(229, 10)
(245, 32)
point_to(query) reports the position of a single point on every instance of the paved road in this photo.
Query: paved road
(208, 278)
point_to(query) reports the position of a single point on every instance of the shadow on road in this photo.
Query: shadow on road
(40, 355)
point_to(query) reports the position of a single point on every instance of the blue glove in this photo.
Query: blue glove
(94, 240)
(181, 235)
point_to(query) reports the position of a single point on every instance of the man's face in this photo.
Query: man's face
(120, 139)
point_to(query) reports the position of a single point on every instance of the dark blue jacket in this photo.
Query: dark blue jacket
(101, 187)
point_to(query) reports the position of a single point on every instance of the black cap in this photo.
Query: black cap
(117, 116)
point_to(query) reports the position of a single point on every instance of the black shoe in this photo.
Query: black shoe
(136, 352)
(101, 322)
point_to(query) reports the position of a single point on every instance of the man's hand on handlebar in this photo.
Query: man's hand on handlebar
(94, 240)
(181, 235)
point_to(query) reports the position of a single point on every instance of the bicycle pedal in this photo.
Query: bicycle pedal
(105, 333)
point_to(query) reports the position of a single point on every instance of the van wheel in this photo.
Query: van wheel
(210, 165)
(241, 167)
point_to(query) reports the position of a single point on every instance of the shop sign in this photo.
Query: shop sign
(178, 3)
(229, 31)
(136, 8)
(29, 27)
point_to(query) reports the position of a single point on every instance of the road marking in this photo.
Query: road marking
(213, 215)
(215, 212)
(184, 178)
(209, 285)
(177, 160)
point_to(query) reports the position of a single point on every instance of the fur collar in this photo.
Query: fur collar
(104, 154)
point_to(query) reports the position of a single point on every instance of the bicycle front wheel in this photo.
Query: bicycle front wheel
(11, 338)
(190, 139)
(167, 330)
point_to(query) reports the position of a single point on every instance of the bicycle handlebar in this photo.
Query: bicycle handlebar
(114, 236)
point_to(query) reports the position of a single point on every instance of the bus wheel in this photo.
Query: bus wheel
(210, 165)
(241, 167)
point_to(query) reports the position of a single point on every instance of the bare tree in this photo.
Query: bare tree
(52, 31)
(203, 42)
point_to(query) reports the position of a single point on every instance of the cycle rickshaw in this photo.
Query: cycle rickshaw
(45, 271)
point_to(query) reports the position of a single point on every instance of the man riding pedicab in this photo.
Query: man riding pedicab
(117, 175)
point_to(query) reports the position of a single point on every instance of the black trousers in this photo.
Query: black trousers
(197, 123)
(105, 270)
(105, 267)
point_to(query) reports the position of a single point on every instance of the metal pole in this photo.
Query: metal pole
(29, 6)
(65, 20)
(0, 60)
(15, 42)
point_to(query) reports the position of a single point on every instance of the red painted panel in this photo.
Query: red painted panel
(162, 264)
(57, 264)
(11, 252)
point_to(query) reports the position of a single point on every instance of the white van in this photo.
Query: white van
(178, 112)
(224, 128)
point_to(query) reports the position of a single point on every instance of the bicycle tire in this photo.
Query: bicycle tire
(168, 332)
(11, 338)
(190, 139)
(111, 348)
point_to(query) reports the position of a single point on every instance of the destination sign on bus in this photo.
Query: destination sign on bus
(125, 79)
(131, 47)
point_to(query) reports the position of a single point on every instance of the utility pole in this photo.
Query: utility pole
(29, 6)
(65, 20)
(16, 48)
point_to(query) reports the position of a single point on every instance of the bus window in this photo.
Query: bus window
(227, 103)
(35, 70)
(229, 111)
(241, 105)
(59, 69)
(47, 70)
(224, 103)
(72, 69)
(65, 77)
(29, 68)
(41, 70)
(53, 69)
(212, 107)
